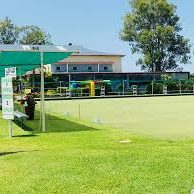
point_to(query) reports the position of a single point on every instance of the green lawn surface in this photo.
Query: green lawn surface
(76, 156)
(160, 117)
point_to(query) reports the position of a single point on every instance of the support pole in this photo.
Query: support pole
(42, 93)
(33, 80)
(152, 87)
(20, 82)
(10, 128)
(123, 87)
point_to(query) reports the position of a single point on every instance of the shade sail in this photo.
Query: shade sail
(20, 69)
(28, 57)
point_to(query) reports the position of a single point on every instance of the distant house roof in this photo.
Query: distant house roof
(80, 50)
(46, 48)
(84, 51)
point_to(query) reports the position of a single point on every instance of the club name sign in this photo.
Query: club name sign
(7, 98)
(10, 72)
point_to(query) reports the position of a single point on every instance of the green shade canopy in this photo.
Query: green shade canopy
(28, 57)
(20, 69)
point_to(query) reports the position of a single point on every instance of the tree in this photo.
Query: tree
(14, 34)
(34, 35)
(9, 32)
(152, 30)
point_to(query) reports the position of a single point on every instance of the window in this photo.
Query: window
(105, 68)
(74, 68)
(89, 68)
(58, 68)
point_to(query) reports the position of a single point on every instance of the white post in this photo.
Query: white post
(42, 93)
(69, 77)
(152, 87)
(123, 87)
(10, 128)
(98, 67)
(67, 67)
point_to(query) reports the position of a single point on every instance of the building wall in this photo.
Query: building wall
(130, 77)
(106, 64)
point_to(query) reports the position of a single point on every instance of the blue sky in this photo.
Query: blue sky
(95, 24)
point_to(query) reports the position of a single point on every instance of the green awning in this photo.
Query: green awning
(20, 69)
(29, 59)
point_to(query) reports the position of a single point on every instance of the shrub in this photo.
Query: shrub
(158, 88)
(51, 92)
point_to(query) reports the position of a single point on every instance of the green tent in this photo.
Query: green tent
(29, 57)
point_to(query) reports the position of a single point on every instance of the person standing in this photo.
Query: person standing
(30, 106)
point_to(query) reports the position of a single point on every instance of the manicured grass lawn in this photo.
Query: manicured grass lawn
(161, 117)
(74, 158)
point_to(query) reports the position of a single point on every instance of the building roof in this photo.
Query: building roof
(78, 49)
(46, 48)
(84, 51)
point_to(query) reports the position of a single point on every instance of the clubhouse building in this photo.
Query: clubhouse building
(88, 64)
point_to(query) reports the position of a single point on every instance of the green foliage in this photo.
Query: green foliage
(51, 92)
(166, 77)
(187, 86)
(158, 88)
(11, 33)
(152, 29)
(34, 35)
(191, 76)
(48, 77)
(173, 86)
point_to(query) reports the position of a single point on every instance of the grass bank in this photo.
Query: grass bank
(74, 158)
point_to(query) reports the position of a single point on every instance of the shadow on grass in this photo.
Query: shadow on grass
(16, 152)
(29, 135)
(53, 124)
(22, 125)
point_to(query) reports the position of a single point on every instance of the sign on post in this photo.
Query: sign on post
(10, 72)
(7, 98)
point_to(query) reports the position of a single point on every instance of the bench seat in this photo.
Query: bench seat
(20, 115)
